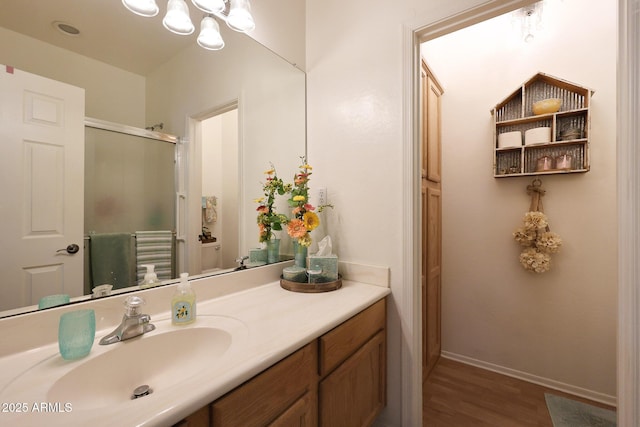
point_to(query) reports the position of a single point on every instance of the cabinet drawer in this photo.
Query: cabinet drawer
(262, 399)
(341, 342)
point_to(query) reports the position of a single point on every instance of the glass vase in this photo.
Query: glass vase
(300, 254)
(273, 251)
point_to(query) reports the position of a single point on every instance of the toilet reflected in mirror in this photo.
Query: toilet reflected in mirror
(211, 260)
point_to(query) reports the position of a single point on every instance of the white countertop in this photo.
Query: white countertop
(275, 323)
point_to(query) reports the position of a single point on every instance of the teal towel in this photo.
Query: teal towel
(111, 259)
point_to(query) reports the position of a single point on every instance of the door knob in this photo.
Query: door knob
(71, 249)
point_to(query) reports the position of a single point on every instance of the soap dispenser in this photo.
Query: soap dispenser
(183, 303)
(150, 278)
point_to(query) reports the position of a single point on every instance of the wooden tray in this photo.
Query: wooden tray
(311, 287)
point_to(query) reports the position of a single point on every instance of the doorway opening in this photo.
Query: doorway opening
(214, 190)
(484, 297)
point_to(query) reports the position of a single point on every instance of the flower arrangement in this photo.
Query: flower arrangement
(538, 241)
(535, 236)
(304, 218)
(268, 219)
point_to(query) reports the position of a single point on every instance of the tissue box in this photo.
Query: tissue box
(258, 255)
(328, 264)
(294, 274)
(255, 264)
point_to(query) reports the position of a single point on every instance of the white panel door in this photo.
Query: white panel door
(42, 188)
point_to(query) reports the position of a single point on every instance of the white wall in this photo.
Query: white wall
(356, 129)
(280, 26)
(355, 143)
(212, 167)
(560, 325)
(230, 189)
(111, 93)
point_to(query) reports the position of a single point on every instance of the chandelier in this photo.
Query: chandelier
(235, 13)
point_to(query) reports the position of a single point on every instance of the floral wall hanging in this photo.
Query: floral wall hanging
(535, 235)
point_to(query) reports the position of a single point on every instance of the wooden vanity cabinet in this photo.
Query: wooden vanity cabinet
(337, 380)
(200, 418)
(284, 394)
(352, 389)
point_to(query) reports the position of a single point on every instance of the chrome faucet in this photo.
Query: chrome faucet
(133, 323)
(241, 260)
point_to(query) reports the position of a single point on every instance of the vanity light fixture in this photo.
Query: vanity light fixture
(146, 8)
(530, 20)
(178, 21)
(210, 37)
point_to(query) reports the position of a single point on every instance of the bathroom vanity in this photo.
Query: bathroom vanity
(256, 355)
(338, 379)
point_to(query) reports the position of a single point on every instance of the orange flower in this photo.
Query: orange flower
(296, 228)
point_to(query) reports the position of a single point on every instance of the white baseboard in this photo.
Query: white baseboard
(546, 382)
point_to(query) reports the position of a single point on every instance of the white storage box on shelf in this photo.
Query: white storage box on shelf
(541, 135)
(510, 139)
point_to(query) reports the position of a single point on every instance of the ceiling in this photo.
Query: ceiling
(108, 31)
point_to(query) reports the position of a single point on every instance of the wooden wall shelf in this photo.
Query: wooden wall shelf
(515, 114)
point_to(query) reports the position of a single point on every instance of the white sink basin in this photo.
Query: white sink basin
(166, 360)
(160, 361)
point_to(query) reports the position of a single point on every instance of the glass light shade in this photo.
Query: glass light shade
(177, 18)
(210, 37)
(147, 8)
(240, 18)
(210, 6)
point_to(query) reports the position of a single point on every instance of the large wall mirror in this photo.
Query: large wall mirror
(235, 111)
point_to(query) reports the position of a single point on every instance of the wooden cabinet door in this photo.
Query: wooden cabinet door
(303, 413)
(263, 399)
(432, 283)
(354, 394)
(431, 194)
(431, 132)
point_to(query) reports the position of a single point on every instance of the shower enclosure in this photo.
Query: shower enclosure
(130, 190)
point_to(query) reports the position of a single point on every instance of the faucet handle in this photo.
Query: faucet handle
(242, 259)
(133, 304)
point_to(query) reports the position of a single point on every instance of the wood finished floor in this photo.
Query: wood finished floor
(460, 395)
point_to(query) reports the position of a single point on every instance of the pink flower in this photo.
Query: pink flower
(262, 209)
(308, 207)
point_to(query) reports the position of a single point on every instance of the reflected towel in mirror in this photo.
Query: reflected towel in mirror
(111, 259)
(154, 247)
